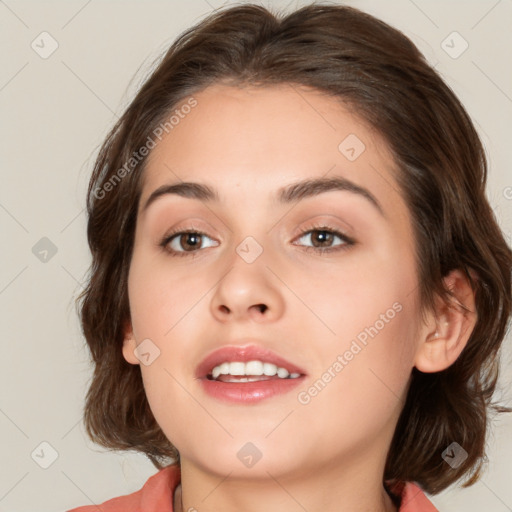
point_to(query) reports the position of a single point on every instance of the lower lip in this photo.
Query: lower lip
(249, 392)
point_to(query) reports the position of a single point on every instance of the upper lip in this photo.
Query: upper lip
(243, 353)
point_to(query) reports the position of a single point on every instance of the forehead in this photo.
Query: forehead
(257, 139)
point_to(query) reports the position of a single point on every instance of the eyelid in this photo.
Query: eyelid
(190, 225)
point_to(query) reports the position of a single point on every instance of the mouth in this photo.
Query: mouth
(252, 371)
(246, 374)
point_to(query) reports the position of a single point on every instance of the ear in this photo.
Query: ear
(448, 328)
(129, 344)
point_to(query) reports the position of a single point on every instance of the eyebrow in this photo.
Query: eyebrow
(285, 195)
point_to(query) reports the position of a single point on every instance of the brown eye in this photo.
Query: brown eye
(324, 238)
(184, 242)
(189, 241)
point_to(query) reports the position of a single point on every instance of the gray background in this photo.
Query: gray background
(55, 111)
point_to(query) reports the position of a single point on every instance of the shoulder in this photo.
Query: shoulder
(412, 498)
(155, 496)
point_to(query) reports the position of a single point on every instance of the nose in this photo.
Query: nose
(248, 291)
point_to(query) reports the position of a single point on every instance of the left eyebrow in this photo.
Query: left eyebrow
(313, 187)
(288, 194)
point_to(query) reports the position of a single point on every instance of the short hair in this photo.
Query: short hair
(441, 171)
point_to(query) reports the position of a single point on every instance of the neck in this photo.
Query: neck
(312, 489)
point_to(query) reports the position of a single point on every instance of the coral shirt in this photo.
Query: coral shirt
(157, 496)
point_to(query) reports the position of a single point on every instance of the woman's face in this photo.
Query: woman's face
(347, 317)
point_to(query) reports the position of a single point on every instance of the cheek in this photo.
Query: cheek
(364, 295)
(372, 357)
(370, 311)
(360, 389)
(166, 306)
(161, 299)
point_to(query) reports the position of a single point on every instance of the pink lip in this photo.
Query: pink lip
(246, 392)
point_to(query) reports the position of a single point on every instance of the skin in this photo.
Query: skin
(329, 454)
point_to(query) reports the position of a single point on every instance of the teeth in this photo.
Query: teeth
(269, 369)
(283, 373)
(256, 368)
(221, 369)
(236, 368)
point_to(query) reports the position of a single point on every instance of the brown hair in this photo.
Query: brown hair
(441, 170)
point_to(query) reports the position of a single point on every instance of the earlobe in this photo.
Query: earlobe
(129, 345)
(449, 328)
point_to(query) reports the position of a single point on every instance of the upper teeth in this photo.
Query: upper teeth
(252, 368)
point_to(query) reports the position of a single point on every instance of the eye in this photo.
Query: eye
(323, 238)
(183, 243)
(187, 243)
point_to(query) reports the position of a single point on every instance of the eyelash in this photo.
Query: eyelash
(348, 242)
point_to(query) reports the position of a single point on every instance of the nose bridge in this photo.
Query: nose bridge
(252, 232)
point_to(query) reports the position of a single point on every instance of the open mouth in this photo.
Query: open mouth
(251, 371)
(247, 374)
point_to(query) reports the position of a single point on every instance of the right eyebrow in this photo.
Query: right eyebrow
(184, 189)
